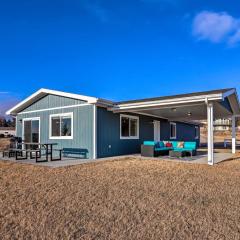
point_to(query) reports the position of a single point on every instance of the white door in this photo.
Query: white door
(156, 125)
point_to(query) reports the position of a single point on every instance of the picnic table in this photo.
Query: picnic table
(36, 148)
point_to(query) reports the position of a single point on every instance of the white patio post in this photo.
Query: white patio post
(210, 133)
(233, 134)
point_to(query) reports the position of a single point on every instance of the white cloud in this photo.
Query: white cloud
(216, 27)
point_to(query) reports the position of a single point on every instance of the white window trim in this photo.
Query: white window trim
(174, 137)
(31, 119)
(60, 115)
(130, 117)
(197, 136)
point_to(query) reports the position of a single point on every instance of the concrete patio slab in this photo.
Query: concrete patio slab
(65, 162)
(201, 158)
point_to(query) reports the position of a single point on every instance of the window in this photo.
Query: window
(173, 130)
(196, 132)
(129, 127)
(61, 126)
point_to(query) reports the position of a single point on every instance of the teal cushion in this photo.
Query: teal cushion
(190, 145)
(149, 143)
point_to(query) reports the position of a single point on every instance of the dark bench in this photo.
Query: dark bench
(75, 151)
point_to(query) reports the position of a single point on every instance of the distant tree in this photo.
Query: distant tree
(7, 122)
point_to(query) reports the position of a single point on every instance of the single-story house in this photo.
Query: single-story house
(103, 128)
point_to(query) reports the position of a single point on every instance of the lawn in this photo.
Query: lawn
(121, 199)
(4, 143)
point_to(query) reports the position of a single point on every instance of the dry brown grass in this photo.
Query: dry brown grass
(124, 199)
(4, 143)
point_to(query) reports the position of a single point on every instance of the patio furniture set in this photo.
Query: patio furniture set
(175, 149)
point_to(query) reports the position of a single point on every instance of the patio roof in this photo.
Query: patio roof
(185, 107)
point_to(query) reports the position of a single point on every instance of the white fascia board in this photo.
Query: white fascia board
(10, 111)
(70, 95)
(174, 101)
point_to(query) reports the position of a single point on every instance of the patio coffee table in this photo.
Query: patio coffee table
(177, 154)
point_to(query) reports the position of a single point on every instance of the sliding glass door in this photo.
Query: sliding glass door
(31, 130)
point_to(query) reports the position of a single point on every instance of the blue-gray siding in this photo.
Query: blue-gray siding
(82, 125)
(108, 134)
(52, 101)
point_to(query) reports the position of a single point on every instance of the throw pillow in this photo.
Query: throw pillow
(180, 145)
(168, 145)
(161, 144)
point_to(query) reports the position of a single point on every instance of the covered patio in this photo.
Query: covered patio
(189, 108)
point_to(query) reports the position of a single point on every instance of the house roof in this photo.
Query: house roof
(229, 96)
(212, 92)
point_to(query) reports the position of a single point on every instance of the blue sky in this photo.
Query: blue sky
(118, 49)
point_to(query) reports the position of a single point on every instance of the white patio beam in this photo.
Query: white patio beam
(233, 134)
(210, 134)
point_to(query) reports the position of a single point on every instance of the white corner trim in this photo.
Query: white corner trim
(130, 117)
(94, 131)
(16, 124)
(60, 115)
(174, 124)
(233, 134)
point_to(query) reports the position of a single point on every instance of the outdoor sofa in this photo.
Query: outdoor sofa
(154, 149)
